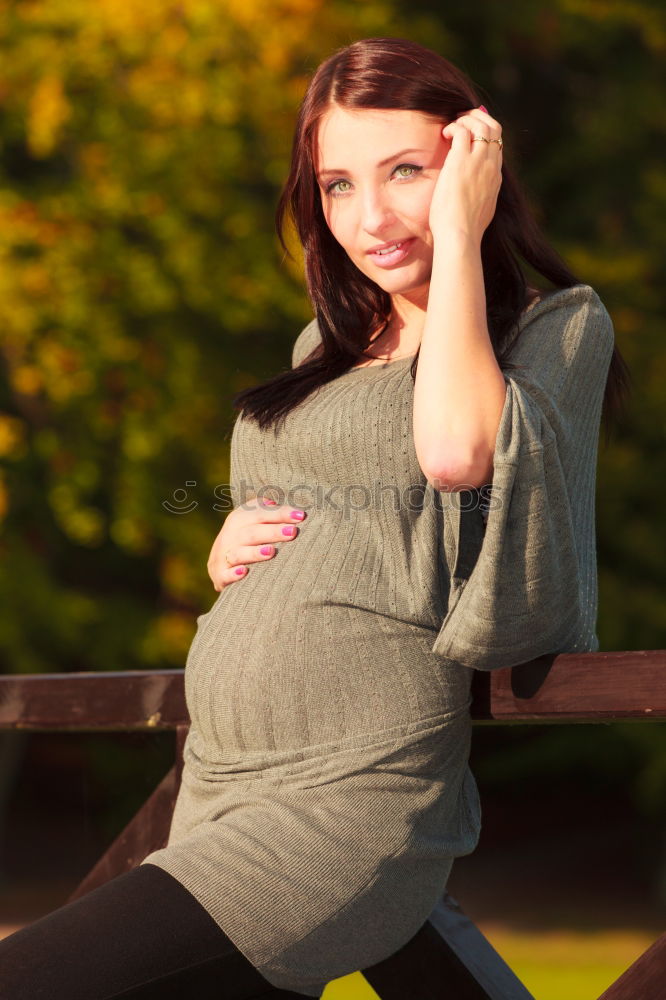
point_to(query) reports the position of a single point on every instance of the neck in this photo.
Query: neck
(403, 334)
(408, 316)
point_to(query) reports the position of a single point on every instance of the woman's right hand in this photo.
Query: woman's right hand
(247, 536)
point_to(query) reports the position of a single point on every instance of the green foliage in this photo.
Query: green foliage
(604, 758)
(142, 147)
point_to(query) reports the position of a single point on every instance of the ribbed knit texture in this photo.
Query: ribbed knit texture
(326, 788)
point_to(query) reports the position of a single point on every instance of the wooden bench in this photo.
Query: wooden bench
(449, 957)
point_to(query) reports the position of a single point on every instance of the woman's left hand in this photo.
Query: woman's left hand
(465, 194)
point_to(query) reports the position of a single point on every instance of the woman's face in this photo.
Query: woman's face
(376, 171)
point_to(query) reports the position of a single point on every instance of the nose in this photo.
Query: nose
(376, 211)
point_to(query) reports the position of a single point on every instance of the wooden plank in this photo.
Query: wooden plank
(645, 979)
(570, 687)
(579, 687)
(448, 957)
(476, 952)
(147, 831)
(139, 699)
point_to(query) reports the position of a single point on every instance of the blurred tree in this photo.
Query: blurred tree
(142, 147)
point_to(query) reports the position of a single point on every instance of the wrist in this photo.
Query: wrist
(455, 237)
(455, 246)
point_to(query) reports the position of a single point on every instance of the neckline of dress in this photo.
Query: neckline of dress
(410, 357)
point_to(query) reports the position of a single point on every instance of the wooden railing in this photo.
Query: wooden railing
(449, 957)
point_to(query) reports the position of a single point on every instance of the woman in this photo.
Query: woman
(436, 441)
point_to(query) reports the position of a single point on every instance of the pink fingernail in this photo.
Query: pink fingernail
(240, 570)
(288, 530)
(481, 108)
(266, 550)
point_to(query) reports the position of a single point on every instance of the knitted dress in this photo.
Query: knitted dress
(326, 789)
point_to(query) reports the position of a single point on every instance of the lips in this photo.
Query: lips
(384, 248)
(388, 254)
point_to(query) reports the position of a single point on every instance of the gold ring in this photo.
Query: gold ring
(482, 138)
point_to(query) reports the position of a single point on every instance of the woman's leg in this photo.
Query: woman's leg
(142, 935)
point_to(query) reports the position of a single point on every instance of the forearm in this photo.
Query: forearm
(459, 389)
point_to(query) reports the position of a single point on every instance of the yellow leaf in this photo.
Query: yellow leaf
(12, 434)
(48, 111)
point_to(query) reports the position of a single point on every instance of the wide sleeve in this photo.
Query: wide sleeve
(532, 585)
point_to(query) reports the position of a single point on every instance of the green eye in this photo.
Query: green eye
(405, 171)
(334, 187)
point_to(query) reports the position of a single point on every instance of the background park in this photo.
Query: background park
(142, 148)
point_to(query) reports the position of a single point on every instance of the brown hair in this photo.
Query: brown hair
(381, 73)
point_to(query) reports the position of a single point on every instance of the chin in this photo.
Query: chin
(397, 283)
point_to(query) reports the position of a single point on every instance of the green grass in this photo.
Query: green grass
(579, 965)
(353, 987)
(551, 964)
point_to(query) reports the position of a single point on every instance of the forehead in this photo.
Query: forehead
(361, 134)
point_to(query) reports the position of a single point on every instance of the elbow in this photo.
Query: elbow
(468, 461)
(463, 474)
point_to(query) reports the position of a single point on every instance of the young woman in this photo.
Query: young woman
(430, 458)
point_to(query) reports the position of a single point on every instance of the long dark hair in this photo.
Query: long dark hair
(385, 73)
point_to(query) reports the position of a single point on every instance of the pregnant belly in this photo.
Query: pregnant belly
(284, 660)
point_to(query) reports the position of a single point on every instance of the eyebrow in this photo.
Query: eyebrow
(382, 163)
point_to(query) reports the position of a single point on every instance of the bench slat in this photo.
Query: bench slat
(569, 687)
(645, 979)
(449, 957)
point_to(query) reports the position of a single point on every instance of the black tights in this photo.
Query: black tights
(142, 935)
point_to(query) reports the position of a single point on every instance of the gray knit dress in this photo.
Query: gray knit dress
(326, 789)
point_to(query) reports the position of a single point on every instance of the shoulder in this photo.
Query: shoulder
(305, 343)
(578, 299)
(569, 324)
